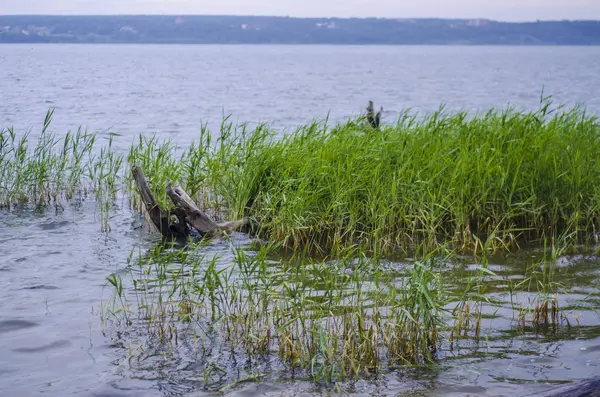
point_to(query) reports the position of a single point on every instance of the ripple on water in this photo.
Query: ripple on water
(54, 225)
(15, 325)
(41, 286)
(126, 388)
(54, 345)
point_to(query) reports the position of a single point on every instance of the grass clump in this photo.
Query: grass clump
(333, 319)
(329, 320)
(56, 168)
(481, 183)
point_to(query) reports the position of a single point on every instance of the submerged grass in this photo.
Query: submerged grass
(332, 320)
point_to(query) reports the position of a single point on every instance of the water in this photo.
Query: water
(170, 90)
(55, 263)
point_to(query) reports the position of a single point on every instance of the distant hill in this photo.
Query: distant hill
(284, 30)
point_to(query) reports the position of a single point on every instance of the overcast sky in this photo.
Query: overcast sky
(508, 10)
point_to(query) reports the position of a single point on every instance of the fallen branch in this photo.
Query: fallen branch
(179, 222)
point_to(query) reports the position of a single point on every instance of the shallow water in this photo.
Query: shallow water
(54, 342)
(53, 270)
(54, 263)
(506, 360)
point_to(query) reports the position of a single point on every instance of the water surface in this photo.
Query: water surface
(171, 89)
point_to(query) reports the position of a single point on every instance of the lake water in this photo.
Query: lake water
(54, 264)
(170, 90)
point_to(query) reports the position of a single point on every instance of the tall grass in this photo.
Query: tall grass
(443, 180)
(333, 319)
(482, 183)
(56, 168)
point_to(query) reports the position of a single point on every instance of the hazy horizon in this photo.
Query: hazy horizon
(508, 10)
(301, 17)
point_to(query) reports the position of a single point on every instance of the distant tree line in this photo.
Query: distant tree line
(284, 30)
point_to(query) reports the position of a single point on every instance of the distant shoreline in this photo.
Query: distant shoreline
(291, 44)
(241, 30)
(265, 16)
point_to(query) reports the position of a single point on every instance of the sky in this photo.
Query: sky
(505, 10)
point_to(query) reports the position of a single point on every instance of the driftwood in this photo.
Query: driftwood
(373, 119)
(185, 218)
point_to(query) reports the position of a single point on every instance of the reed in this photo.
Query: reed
(482, 183)
(338, 199)
(330, 320)
(487, 182)
(56, 168)
(333, 318)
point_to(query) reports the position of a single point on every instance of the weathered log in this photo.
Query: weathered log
(198, 219)
(187, 213)
(193, 216)
(160, 217)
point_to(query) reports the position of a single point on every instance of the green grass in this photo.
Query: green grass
(333, 319)
(482, 182)
(57, 168)
(352, 195)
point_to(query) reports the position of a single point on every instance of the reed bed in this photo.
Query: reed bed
(437, 185)
(333, 319)
(481, 183)
(484, 182)
(57, 168)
